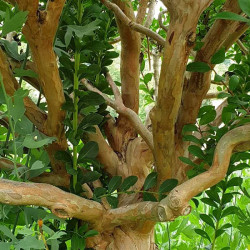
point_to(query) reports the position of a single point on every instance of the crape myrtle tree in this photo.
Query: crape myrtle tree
(111, 178)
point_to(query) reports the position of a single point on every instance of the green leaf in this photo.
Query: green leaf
(196, 151)
(240, 166)
(113, 201)
(56, 235)
(25, 72)
(198, 67)
(80, 31)
(14, 23)
(229, 210)
(189, 128)
(63, 156)
(128, 182)
(90, 98)
(192, 139)
(202, 233)
(209, 202)
(114, 184)
(212, 194)
(219, 232)
(12, 50)
(217, 213)
(233, 82)
(6, 231)
(90, 120)
(77, 242)
(206, 114)
(218, 78)
(168, 185)
(245, 6)
(231, 16)
(226, 115)
(235, 182)
(91, 233)
(99, 191)
(207, 219)
(70, 170)
(226, 198)
(17, 108)
(196, 202)
(83, 229)
(187, 161)
(219, 56)
(149, 197)
(37, 165)
(31, 141)
(90, 176)
(223, 95)
(225, 226)
(148, 78)
(150, 181)
(89, 150)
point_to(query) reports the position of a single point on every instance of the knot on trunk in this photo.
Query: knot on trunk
(172, 207)
(60, 211)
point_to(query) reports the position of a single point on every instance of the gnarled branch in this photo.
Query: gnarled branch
(177, 202)
(62, 204)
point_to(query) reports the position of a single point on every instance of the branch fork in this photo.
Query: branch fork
(118, 105)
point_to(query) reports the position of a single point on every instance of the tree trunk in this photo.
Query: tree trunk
(126, 238)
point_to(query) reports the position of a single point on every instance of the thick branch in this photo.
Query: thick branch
(50, 178)
(142, 11)
(178, 199)
(176, 203)
(118, 105)
(36, 116)
(197, 86)
(39, 30)
(181, 35)
(62, 204)
(106, 155)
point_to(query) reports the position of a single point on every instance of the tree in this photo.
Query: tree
(117, 174)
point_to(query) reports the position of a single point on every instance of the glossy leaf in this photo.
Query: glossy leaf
(198, 67)
(150, 181)
(128, 182)
(89, 150)
(245, 6)
(207, 219)
(90, 176)
(168, 185)
(218, 57)
(203, 234)
(13, 23)
(114, 184)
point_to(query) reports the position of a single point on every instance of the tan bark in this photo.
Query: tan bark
(142, 11)
(62, 204)
(180, 40)
(36, 116)
(197, 86)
